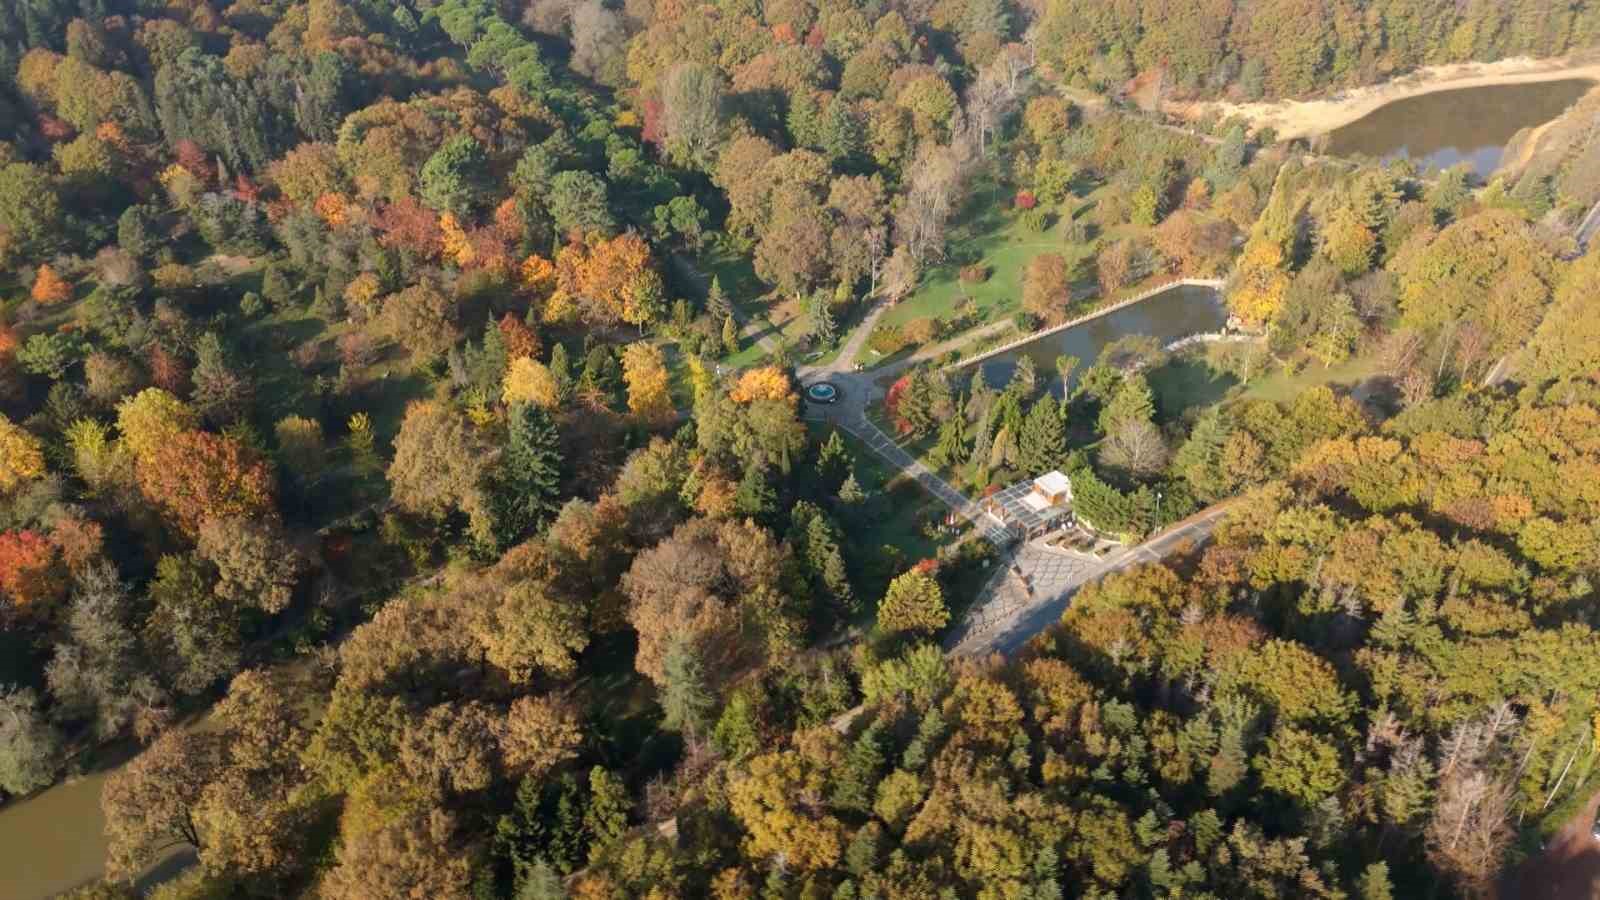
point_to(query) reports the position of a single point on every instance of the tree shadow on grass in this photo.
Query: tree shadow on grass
(1183, 384)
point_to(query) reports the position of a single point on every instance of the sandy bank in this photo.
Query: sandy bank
(1304, 118)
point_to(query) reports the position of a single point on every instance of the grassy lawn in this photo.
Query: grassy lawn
(1282, 387)
(751, 353)
(892, 514)
(736, 274)
(992, 233)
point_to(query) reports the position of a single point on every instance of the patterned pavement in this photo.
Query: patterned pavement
(1006, 615)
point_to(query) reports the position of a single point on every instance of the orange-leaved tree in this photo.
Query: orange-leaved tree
(50, 288)
(198, 475)
(520, 338)
(611, 280)
(30, 573)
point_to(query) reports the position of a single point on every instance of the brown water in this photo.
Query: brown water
(1441, 129)
(54, 841)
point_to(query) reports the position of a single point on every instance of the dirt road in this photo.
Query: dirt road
(1568, 869)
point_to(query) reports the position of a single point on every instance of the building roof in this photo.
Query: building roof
(1017, 505)
(1053, 483)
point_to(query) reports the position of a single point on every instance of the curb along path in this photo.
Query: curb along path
(881, 444)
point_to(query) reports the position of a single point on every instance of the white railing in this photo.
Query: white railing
(1213, 283)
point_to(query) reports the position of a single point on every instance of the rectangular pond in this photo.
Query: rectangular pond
(1174, 313)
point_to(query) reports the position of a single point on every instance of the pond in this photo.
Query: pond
(1443, 128)
(55, 840)
(1172, 314)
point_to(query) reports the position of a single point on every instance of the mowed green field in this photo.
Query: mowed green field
(993, 234)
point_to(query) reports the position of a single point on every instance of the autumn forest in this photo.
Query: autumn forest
(408, 485)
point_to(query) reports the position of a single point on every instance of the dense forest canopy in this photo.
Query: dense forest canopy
(402, 448)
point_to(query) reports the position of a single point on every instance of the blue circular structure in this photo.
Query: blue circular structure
(822, 392)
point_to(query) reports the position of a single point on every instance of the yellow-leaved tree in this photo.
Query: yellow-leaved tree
(21, 456)
(645, 371)
(457, 247)
(765, 383)
(530, 381)
(1259, 282)
(151, 418)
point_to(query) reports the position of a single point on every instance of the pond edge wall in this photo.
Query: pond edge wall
(1215, 284)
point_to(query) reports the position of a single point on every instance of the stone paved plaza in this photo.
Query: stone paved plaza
(1052, 575)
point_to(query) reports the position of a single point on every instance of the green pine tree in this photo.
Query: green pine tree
(805, 119)
(1025, 380)
(1374, 884)
(606, 819)
(983, 441)
(842, 139)
(738, 730)
(826, 561)
(916, 404)
(951, 449)
(979, 396)
(1008, 411)
(487, 365)
(541, 883)
(1043, 441)
(717, 302)
(863, 767)
(730, 335)
(755, 497)
(834, 461)
(1199, 460)
(686, 699)
(527, 481)
(861, 857)
(1228, 160)
(602, 373)
(929, 732)
(823, 326)
(561, 371)
(1132, 402)
(850, 491)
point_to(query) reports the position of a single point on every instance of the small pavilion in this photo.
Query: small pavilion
(1035, 507)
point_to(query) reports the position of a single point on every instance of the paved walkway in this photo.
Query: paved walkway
(1008, 613)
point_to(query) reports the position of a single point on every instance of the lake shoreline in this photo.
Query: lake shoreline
(1309, 118)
